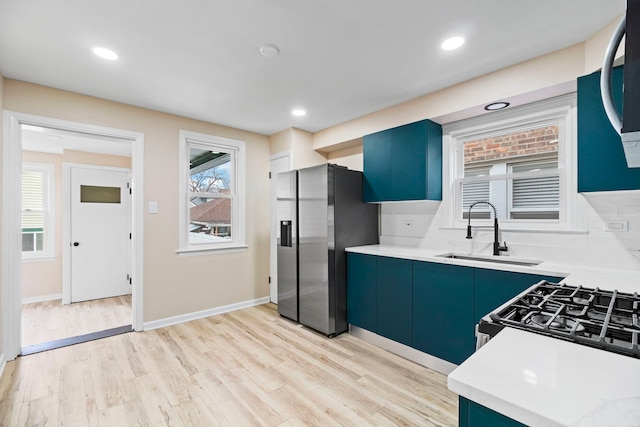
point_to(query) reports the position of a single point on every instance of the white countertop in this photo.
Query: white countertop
(542, 381)
(605, 278)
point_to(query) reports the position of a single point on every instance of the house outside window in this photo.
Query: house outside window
(37, 211)
(516, 160)
(514, 153)
(212, 196)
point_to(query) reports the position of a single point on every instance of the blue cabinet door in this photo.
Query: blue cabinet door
(362, 278)
(602, 165)
(403, 163)
(471, 414)
(443, 322)
(376, 184)
(394, 299)
(408, 162)
(494, 288)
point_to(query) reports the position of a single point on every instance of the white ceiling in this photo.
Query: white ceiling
(339, 59)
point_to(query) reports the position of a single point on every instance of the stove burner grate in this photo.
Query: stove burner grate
(594, 317)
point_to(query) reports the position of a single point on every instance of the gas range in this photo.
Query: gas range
(609, 320)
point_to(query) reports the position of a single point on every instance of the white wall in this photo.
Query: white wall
(299, 144)
(543, 77)
(174, 285)
(539, 78)
(590, 245)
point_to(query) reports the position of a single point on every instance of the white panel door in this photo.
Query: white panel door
(279, 164)
(100, 241)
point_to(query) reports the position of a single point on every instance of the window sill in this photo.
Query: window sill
(520, 230)
(212, 250)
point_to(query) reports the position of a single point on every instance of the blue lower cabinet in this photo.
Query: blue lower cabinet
(443, 304)
(361, 290)
(394, 299)
(471, 414)
(494, 288)
(429, 306)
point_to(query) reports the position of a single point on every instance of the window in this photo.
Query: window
(517, 154)
(37, 213)
(212, 196)
(516, 160)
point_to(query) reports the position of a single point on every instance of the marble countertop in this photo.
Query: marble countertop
(542, 381)
(624, 280)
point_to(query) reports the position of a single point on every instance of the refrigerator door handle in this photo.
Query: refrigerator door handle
(286, 234)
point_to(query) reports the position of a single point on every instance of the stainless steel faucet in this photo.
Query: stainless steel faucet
(496, 245)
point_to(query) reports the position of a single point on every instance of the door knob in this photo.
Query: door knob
(76, 244)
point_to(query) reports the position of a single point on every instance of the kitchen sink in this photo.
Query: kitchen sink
(491, 259)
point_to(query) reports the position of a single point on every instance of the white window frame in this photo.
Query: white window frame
(238, 171)
(49, 235)
(559, 110)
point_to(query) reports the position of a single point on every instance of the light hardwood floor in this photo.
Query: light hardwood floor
(245, 368)
(52, 320)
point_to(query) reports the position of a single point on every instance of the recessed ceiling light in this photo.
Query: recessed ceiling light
(496, 106)
(298, 112)
(105, 53)
(452, 43)
(269, 50)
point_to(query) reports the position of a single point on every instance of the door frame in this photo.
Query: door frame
(66, 222)
(273, 240)
(11, 239)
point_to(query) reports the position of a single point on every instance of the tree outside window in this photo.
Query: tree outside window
(212, 193)
(210, 196)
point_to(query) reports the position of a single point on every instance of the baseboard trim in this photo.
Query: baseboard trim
(161, 323)
(402, 350)
(41, 298)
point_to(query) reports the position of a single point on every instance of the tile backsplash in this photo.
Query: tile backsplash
(607, 235)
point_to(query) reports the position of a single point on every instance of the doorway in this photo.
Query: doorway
(279, 163)
(11, 224)
(100, 228)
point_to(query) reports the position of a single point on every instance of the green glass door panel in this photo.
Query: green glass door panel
(99, 194)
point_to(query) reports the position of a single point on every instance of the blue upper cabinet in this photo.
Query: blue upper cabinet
(602, 165)
(404, 163)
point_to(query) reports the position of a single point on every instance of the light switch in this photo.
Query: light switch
(153, 207)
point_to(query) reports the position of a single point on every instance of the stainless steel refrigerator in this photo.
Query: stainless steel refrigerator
(320, 212)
